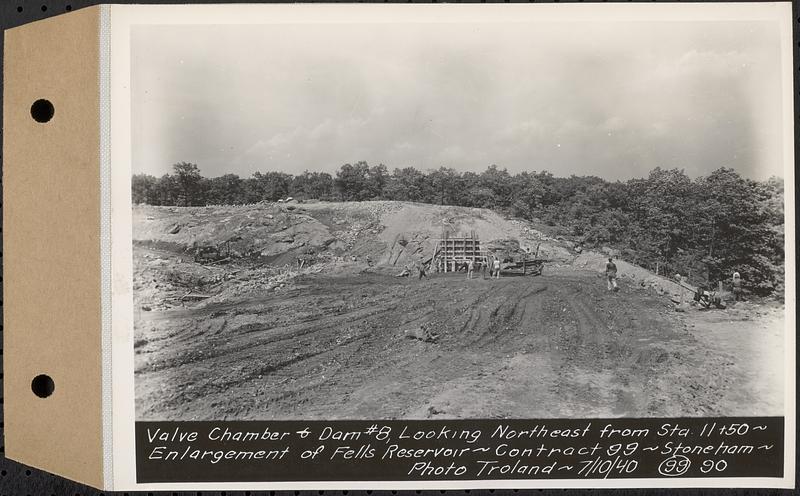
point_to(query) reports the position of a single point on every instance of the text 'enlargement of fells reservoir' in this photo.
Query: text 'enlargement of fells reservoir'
(459, 449)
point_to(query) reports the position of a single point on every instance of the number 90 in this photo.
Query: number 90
(716, 466)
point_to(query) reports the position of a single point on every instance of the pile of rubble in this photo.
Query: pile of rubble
(162, 281)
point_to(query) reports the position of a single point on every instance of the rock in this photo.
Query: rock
(421, 334)
(434, 411)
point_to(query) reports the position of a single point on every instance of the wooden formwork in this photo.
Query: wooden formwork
(452, 252)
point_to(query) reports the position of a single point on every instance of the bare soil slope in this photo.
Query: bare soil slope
(375, 346)
(343, 338)
(362, 230)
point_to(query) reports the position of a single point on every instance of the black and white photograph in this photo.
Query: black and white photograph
(459, 219)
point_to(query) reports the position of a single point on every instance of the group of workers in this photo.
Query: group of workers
(494, 268)
(406, 272)
(703, 296)
(706, 298)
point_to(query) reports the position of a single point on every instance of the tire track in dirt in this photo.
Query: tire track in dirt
(503, 333)
(450, 365)
(311, 336)
(509, 303)
(343, 348)
(591, 329)
(261, 337)
(475, 313)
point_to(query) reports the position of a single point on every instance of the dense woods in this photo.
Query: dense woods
(707, 228)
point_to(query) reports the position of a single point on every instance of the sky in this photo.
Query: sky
(612, 99)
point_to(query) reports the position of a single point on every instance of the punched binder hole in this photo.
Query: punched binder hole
(42, 110)
(42, 386)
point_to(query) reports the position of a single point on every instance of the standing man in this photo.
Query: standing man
(496, 268)
(611, 274)
(737, 287)
(470, 268)
(422, 273)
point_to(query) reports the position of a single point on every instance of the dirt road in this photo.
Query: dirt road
(377, 346)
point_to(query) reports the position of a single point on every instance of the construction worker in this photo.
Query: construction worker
(470, 268)
(737, 287)
(496, 268)
(611, 274)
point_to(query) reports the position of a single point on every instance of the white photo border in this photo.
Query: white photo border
(123, 17)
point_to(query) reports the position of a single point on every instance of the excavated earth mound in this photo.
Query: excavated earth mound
(308, 321)
(381, 232)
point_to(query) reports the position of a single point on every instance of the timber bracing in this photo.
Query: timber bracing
(451, 252)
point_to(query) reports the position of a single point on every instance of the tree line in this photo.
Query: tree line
(706, 227)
